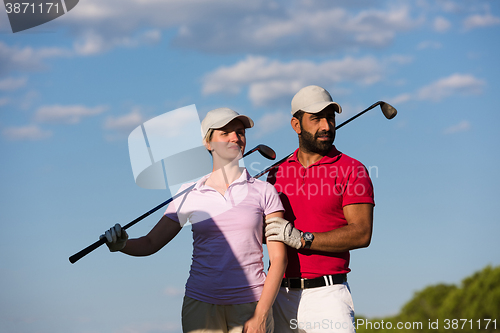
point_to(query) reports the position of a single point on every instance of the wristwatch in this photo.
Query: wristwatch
(308, 239)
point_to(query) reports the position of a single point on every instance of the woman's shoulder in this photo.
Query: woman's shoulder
(264, 186)
(185, 186)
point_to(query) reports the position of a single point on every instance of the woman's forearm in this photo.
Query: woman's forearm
(162, 233)
(138, 247)
(278, 259)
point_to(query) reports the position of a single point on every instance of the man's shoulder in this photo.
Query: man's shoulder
(336, 156)
(281, 171)
(346, 159)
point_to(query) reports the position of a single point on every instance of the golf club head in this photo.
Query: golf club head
(267, 152)
(388, 110)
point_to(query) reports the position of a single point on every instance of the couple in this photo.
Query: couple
(308, 234)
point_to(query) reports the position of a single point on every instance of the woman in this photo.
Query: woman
(227, 290)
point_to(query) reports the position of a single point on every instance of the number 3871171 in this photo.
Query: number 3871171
(27, 8)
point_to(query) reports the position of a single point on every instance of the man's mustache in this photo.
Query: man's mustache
(324, 133)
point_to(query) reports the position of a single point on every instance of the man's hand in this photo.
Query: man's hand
(116, 238)
(278, 229)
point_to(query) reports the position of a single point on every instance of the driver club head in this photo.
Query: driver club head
(267, 152)
(388, 110)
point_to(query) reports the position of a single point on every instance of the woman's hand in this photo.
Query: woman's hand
(116, 238)
(256, 324)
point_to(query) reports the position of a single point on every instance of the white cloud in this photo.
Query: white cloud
(463, 126)
(227, 26)
(271, 122)
(26, 58)
(451, 85)
(173, 291)
(111, 23)
(441, 24)
(30, 132)
(125, 123)
(93, 43)
(68, 114)
(480, 21)
(173, 124)
(450, 6)
(264, 93)
(456, 84)
(269, 81)
(429, 45)
(219, 26)
(400, 59)
(400, 99)
(298, 30)
(11, 83)
(28, 99)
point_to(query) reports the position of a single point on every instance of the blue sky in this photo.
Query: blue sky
(73, 89)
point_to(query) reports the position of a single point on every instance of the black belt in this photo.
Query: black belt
(321, 281)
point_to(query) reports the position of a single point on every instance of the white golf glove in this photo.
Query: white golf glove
(116, 238)
(278, 229)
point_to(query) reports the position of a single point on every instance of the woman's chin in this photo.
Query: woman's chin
(230, 156)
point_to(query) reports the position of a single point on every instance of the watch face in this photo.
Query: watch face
(308, 236)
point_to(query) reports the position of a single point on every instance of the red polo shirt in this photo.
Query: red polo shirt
(313, 199)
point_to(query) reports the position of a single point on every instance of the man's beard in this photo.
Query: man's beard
(311, 144)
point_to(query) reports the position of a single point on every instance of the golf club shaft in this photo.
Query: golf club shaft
(77, 256)
(359, 114)
(336, 128)
(250, 151)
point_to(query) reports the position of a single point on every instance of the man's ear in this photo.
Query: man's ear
(296, 125)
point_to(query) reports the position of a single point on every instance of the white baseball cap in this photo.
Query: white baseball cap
(312, 99)
(220, 117)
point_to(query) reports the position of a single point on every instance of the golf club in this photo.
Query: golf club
(264, 150)
(388, 110)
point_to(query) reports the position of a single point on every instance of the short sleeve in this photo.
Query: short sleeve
(272, 201)
(359, 187)
(172, 209)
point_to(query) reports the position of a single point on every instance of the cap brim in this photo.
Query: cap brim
(318, 107)
(247, 122)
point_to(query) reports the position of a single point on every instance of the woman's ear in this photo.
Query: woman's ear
(207, 145)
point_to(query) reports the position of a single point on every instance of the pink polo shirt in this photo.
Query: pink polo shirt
(314, 198)
(227, 265)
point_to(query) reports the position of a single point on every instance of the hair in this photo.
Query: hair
(299, 114)
(208, 137)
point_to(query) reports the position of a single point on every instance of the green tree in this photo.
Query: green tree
(425, 304)
(449, 308)
(478, 298)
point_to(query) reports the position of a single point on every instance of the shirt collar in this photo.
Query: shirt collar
(243, 178)
(332, 157)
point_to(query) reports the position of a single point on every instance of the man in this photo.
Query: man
(328, 201)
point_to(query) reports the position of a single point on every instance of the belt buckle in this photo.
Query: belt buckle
(302, 283)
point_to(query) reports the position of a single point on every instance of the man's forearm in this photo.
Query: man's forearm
(343, 239)
(356, 234)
